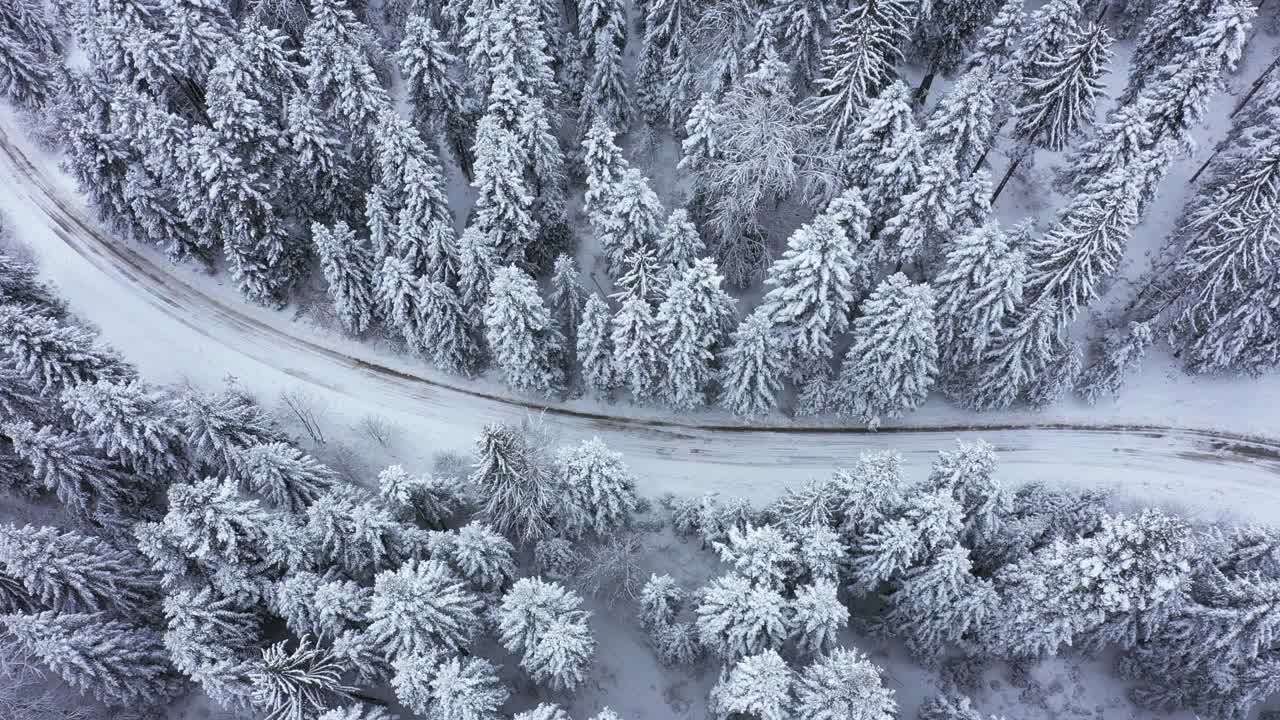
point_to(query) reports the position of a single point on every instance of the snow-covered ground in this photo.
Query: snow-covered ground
(1174, 440)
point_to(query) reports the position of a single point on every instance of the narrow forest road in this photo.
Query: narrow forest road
(178, 326)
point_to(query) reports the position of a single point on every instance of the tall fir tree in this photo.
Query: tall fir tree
(348, 269)
(521, 333)
(595, 346)
(754, 364)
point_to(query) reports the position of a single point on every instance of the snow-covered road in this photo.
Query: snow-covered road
(178, 325)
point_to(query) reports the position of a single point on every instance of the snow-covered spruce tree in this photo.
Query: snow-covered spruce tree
(465, 688)
(634, 336)
(1116, 358)
(503, 209)
(519, 485)
(758, 165)
(397, 296)
(283, 475)
(599, 485)
(893, 360)
(737, 617)
(301, 682)
(702, 132)
(27, 54)
(960, 128)
(204, 628)
(758, 686)
(595, 346)
(543, 711)
(88, 486)
(1049, 30)
(968, 474)
(349, 528)
(567, 297)
(131, 422)
(998, 47)
(928, 522)
(219, 426)
(940, 602)
(604, 164)
(1119, 142)
(348, 269)
(805, 26)
(424, 233)
(1017, 355)
(630, 221)
(71, 572)
(545, 624)
(1061, 87)
(340, 71)
(680, 244)
(641, 275)
(661, 601)
(1070, 263)
(427, 65)
(357, 712)
(869, 492)
(764, 555)
(605, 95)
(20, 285)
(843, 684)
(753, 366)
(421, 607)
(692, 328)
(856, 66)
(1164, 40)
(483, 557)
(818, 616)
(814, 286)
(54, 355)
(884, 156)
(945, 31)
(1113, 587)
(448, 334)
(978, 286)
(117, 663)
(521, 334)
(950, 705)
(925, 216)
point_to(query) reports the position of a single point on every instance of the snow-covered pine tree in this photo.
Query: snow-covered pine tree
(893, 360)
(813, 288)
(641, 276)
(1017, 355)
(340, 51)
(843, 684)
(131, 422)
(1117, 357)
(427, 66)
(884, 156)
(448, 334)
(691, 327)
(978, 286)
(119, 664)
(856, 66)
(925, 215)
(960, 127)
(599, 485)
(634, 336)
(605, 95)
(398, 297)
(420, 608)
(764, 555)
(426, 499)
(944, 32)
(349, 528)
(567, 297)
(949, 705)
(1048, 31)
(1061, 87)
(630, 221)
(753, 366)
(503, 200)
(348, 269)
(998, 46)
(301, 682)
(928, 522)
(283, 475)
(219, 426)
(940, 603)
(54, 355)
(71, 572)
(818, 616)
(1164, 40)
(90, 487)
(545, 624)
(424, 235)
(1126, 133)
(483, 557)
(661, 601)
(517, 482)
(737, 617)
(27, 54)
(967, 473)
(758, 686)
(595, 346)
(679, 244)
(521, 333)
(805, 26)
(701, 133)
(466, 688)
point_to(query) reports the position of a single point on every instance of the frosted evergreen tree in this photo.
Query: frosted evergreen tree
(813, 288)
(893, 360)
(968, 474)
(960, 127)
(53, 355)
(1070, 263)
(130, 422)
(856, 66)
(543, 711)
(737, 617)
(1093, 593)
(283, 475)
(804, 33)
(941, 603)
(545, 624)
(421, 607)
(634, 336)
(520, 488)
(348, 270)
(599, 485)
(978, 286)
(818, 617)
(925, 215)
(503, 200)
(700, 145)
(358, 712)
(205, 629)
(1117, 358)
(1061, 88)
(604, 164)
(764, 555)
(630, 221)
(340, 69)
(753, 366)
(351, 529)
(944, 32)
(758, 686)
(213, 525)
(567, 297)
(117, 663)
(86, 484)
(680, 244)
(424, 226)
(477, 262)
(397, 296)
(843, 684)
(1018, 353)
(822, 553)
(883, 155)
(998, 46)
(1048, 31)
(427, 65)
(297, 683)
(71, 572)
(27, 60)
(483, 557)
(219, 426)
(688, 329)
(605, 95)
(661, 600)
(1164, 40)
(595, 346)
(466, 689)
(1120, 141)
(928, 522)
(521, 333)
(641, 275)
(448, 335)
(949, 705)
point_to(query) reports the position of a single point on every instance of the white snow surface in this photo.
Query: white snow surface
(1207, 444)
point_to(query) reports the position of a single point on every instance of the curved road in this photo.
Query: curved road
(164, 318)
